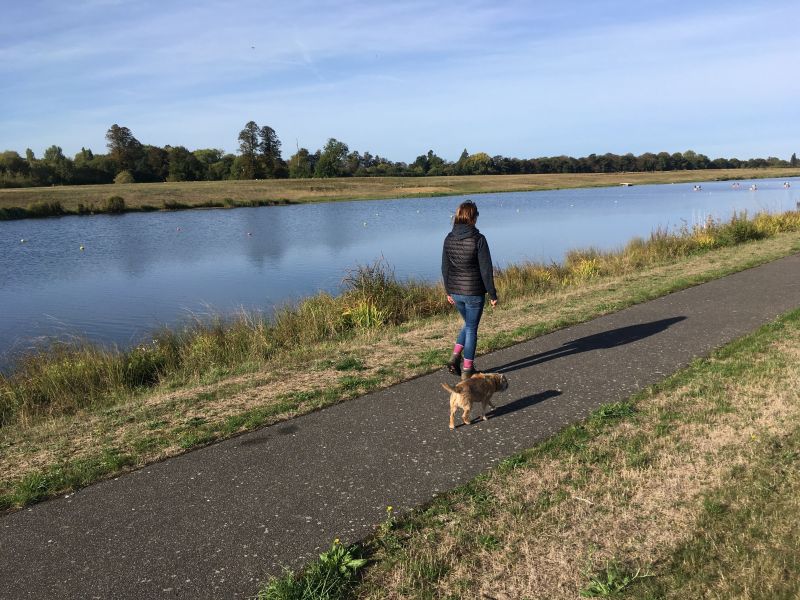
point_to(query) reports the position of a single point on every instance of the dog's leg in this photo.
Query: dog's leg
(453, 408)
(465, 415)
(483, 410)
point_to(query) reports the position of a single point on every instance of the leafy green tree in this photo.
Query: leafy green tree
(12, 163)
(183, 165)
(460, 168)
(270, 149)
(690, 160)
(104, 164)
(663, 162)
(420, 166)
(774, 161)
(720, 163)
(678, 162)
(627, 162)
(154, 165)
(208, 156)
(354, 164)
(123, 148)
(479, 163)
(331, 161)
(41, 173)
(221, 169)
(249, 144)
(85, 169)
(14, 170)
(216, 164)
(436, 164)
(83, 158)
(427, 164)
(793, 161)
(62, 168)
(301, 164)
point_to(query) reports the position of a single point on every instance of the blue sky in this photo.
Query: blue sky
(399, 78)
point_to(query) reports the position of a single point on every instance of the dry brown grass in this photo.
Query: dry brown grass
(354, 188)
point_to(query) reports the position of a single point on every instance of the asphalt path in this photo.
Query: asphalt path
(213, 522)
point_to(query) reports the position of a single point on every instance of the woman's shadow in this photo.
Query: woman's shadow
(606, 339)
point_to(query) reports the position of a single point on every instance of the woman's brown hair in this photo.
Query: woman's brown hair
(467, 213)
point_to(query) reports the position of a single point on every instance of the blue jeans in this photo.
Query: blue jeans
(471, 309)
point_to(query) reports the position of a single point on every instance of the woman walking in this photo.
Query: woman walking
(467, 274)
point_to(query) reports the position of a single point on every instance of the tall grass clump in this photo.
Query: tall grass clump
(13, 212)
(61, 380)
(738, 230)
(773, 224)
(374, 289)
(45, 209)
(114, 205)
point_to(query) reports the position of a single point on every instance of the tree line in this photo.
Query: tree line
(128, 161)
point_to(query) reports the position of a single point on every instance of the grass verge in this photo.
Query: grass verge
(67, 410)
(688, 490)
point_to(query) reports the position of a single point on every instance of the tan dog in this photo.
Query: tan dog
(478, 388)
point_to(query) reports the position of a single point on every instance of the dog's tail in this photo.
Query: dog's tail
(449, 389)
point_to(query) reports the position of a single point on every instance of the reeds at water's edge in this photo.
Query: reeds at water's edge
(65, 377)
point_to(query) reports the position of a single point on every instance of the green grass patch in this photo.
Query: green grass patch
(745, 545)
(66, 477)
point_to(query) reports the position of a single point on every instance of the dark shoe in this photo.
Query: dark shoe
(467, 373)
(454, 365)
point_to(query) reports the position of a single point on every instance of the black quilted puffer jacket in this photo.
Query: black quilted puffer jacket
(467, 263)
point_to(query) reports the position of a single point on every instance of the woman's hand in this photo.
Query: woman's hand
(493, 303)
(450, 299)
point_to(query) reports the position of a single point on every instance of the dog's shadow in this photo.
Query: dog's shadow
(282, 429)
(519, 404)
(597, 341)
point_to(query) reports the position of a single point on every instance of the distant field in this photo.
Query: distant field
(233, 193)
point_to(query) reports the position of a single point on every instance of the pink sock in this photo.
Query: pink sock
(457, 349)
(467, 363)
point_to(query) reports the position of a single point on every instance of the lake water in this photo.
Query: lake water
(141, 270)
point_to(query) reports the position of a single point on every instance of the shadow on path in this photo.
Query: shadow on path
(521, 403)
(597, 341)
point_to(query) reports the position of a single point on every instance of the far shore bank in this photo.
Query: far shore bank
(20, 203)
